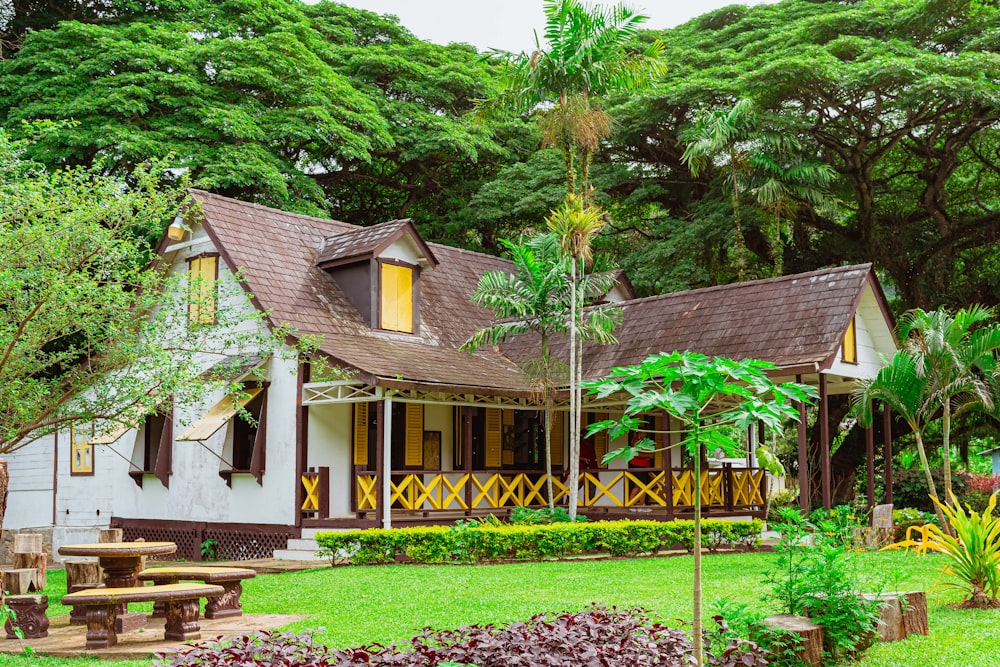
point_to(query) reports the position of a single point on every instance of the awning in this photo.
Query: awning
(221, 412)
(109, 438)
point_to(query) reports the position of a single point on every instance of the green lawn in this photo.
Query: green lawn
(357, 605)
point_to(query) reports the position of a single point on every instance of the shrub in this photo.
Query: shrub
(903, 519)
(909, 488)
(257, 649)
(474, 542)
(526, 516)
(597, 636)
(788, 497)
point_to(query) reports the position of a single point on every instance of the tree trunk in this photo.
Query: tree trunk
(547, 393)
(699, 654)
(574, 446)
(930, 482)
(949, 494)
(4, 479)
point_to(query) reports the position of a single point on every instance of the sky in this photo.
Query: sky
(508, 24)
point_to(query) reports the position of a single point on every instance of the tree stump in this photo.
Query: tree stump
(109, 535)
(19, 582)
(915, 613)
(80, 575)
(33, 561)
(810, 636)
(890, 617)
(27, 543)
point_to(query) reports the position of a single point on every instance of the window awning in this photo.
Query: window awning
(112, 436)
(216, 418)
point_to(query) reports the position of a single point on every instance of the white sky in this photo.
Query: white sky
(509, 24)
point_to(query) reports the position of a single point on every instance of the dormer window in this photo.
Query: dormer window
(203, 273)
(396, 297)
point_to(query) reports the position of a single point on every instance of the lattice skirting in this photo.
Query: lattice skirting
(233, 541)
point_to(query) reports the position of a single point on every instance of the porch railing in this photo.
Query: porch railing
(726, 488)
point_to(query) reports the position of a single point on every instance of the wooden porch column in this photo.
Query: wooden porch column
(668, 468)
(824, 444)
(467, 454)
(301, 441)
(386, 469)
(887, 440)
(803, 456)
(870, 464)
(379, 462)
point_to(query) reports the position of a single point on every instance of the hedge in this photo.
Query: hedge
(480, 543)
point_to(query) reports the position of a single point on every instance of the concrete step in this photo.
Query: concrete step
(297, 555)
(305, 544)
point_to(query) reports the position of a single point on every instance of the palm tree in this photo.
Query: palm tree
(533, 299)
(575, 227)
(902, 385)
(584, 57)
(957, 361)
(755, 161)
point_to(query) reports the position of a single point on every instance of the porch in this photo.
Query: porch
(444, 496)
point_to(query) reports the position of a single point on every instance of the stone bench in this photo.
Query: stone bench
(182, 604)
(227, 604)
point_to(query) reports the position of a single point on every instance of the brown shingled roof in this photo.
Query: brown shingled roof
(276, 251)
(791, 321)
(367, 241)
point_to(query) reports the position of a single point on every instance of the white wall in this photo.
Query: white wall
(329, 437)
(29, 503)
(874, 338)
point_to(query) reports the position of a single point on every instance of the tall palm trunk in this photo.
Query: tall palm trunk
(574, 444)
(946, 451)
(697, 640)
(547, 394)
(930, 480)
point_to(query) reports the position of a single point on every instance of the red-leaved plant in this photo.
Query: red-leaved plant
(599, 636)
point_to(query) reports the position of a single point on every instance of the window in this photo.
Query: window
(396, 298)
(850, 349)
(245, 450)
(154, 449)
(203, 273)
(81, 450)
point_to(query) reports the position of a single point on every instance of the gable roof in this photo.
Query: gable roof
(362, 242)
(796, 322)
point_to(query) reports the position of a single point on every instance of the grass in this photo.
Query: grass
(360, 605)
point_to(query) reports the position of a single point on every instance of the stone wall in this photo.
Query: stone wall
(7, 543)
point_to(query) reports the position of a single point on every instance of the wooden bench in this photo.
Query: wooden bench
(227, 604)
(182, 604)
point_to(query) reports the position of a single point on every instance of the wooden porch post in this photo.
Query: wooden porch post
(387, 465)
(301, 441)
(380, 508)
(824, 443)
(467, 454)
(870, 464)
(887, 440)
(668, 468)
(803, 456)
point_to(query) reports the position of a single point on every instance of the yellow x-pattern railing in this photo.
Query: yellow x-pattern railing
(310, 484)
(624, 488)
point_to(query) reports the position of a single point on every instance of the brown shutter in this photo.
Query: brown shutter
(360, 434)
(659, 439)
(414, 444)
(557, 439)
(164, 454)
(601, 440)
(493, 425)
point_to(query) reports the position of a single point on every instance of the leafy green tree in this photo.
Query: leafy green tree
(90, 329)
(957, 356)
(711, 397)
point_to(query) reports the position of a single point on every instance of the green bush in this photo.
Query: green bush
(527, 516)
(903, 519)
(909, 488)
(474, 542)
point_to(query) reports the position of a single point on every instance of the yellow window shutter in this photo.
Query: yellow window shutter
(414, 446)
(360, 434)
(601, 440)
(850, 353)
(557, 439)
(202, 273)
(493, 426)
(659, 439)
(218, 415)
(397, 298)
